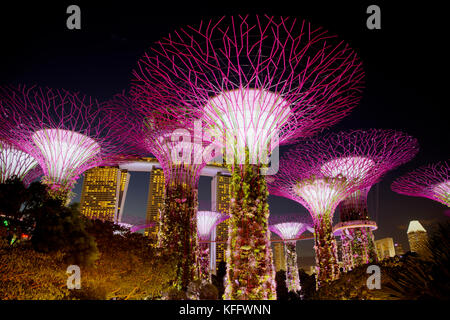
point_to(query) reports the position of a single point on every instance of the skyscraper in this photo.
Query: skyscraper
(155, 200)
(385, 248)
(399, 251)
(417, 237)
(104, 192)
(220, 202)
(279, 256)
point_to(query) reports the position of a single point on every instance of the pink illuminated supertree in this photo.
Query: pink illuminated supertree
(289, 228)
(302, 179)
(182, 151)
(361, 156)
(206, 222)
(65, 133)
(431, 181)
(257, 82)
(16, 163)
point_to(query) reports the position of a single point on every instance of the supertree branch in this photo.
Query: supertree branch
(206, 222)
(290, 227)
(257, 82)
(253, 67)
(182, 152)
(431, 181)
(66, 133)
(16, 163)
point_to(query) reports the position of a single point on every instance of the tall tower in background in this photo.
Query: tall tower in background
(104, 192)
(417, 237)
(279, 256)
(385, 248)
(220, 202)
(155, 200)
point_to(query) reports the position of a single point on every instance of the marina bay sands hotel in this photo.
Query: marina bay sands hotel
(105, 189)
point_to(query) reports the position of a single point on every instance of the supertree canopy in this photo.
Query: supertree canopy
(301, 178)
(430, 181)
(65, 133)
(206, 221)
(257, 82)
(182, 152)
(361, 155)
(16, 163)
(289, 228)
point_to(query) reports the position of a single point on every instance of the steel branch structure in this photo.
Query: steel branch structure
(256, 82)
(16, 163)
(431, 181)
(302, 179)
(365, 156)
(206, 221)
(66, 133)
(182, 151)
(289, 228)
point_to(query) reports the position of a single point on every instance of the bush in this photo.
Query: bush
(127, 268)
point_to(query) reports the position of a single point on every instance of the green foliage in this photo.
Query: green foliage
(29, 275)
(128, 268)
(326, 250)
(60, 228)
(13, 194)
(178, 231)
(250, 273)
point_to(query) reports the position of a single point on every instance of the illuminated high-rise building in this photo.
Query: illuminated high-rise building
(417, 237)
(155, 201)
(279, 257)
(220, 202)
(385, 248)
(104, 192)
(399, 251)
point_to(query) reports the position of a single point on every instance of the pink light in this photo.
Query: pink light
(351, 168)
(14, 162)
(443, 190)
(431, 181)
(248, 118)
(206, 221)
(64, 152)
(288, 230)
(321, 194)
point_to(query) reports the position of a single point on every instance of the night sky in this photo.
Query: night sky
(405, 62)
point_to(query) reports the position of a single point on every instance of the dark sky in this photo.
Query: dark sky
(406, 66)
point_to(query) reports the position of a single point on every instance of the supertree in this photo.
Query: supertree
(301, 178)
(66, 133)
(16, 163)
(431, 181)
(257, 82)
(182, 151)
(206, 222)
(289, 228)
(361, 155)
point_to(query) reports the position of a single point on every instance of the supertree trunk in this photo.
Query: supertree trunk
(205, 275)
(326, 251)
(178, 230)
(292, 276)
(347, 258)
(362, 245)
(250, 273)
